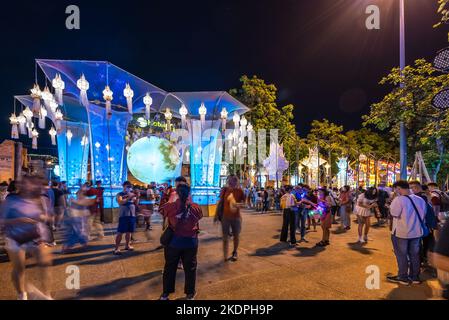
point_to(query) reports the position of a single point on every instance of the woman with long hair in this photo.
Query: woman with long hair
(183, 216)
(366, 207)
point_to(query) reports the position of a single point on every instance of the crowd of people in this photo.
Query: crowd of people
(32, 210)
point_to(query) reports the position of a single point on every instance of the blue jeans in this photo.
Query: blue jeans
(301, 220)
(407, 256)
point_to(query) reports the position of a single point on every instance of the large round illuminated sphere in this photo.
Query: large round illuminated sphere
(146, 162)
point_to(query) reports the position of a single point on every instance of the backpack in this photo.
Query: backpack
(444, 201)
(431, 219)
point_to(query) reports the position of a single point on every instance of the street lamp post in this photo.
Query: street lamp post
(403, 134)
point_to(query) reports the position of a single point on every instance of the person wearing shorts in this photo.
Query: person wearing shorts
(231, 223)
(127, 217)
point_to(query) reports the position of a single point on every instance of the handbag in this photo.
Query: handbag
(23, 233)
(167, 236)
(425, 228)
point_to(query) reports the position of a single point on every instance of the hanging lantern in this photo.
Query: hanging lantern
(52, 133)
(30, 127)
(14, 126)
(69, 136)
(236, 120)
(168, 116)
(129, 94)
(84, 141)
(183, 112)
(58, 118)
(42, 116)
(147, 100)
(28, 114)
(107, 96)
(36, 94)
(53, 106)
(59, 86)
(22, 121)
(202, 111)
(243, 123)
(34, 135)
(224, 118)
(47, 97)
(83, 85)
(250, 130)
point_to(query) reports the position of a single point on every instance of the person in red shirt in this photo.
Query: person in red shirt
(183, 216)
(233, 198)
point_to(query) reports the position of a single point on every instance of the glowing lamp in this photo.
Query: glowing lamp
(83, 85)
(14, 126)
(147, 101)
(129, 94)
(36, 94)
(107, 96)
(52, 134)
(59, 86)
(202, 112)
(183, 112)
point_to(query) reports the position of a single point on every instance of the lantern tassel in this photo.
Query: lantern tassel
(53, 140)
(14, 131)
(108, 110)
(42, 122)
(129, 101)
(58, 94)
(36, 105)
(147, 112)
(83, 98)
(22, 128)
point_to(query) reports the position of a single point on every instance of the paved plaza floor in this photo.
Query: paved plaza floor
(266, 269)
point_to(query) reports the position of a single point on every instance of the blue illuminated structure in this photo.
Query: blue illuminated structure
(101, 139)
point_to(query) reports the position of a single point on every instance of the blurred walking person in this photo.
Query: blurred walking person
(23, 219)
(345, 207)
(127, 217)
(180, 242)
(231, 221)
(288, 204)
(366, 207)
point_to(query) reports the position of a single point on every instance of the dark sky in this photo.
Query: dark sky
(318, 53)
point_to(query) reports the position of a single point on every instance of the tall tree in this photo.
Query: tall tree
(411, 103)
(264, 113)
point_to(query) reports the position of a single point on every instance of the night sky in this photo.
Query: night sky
(318, 53)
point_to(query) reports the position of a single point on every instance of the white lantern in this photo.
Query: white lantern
(168, 116)
(202, 111)
(83, 85)
(183, 112)
(28, 114)
(97, 145)
(250, 130)
(243, 123)
(224, 118)
(107, 96)
(84, 141)
(148, 101)
(236, 120)
(22, 121)
(14, 126)
(59, 86)
(36, 94)
(69, 136)
(34, 135)
(58, 118)
(52, 134)
(47, 97)
(129, 94)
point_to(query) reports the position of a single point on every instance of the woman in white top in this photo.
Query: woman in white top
(366, 207)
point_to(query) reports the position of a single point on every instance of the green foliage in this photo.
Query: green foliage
(411, 103)
(166, 149)
(264, 113)
(443, 9)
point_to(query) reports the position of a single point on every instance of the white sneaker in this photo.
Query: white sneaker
(361, 240)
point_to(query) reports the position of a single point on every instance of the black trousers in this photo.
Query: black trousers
(288, 221)
(189, 262)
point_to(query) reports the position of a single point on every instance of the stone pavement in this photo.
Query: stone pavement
(266, 269)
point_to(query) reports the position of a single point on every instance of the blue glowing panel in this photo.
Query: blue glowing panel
(108, 145)
(73, 155)
(146, 162)
(205, 161)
